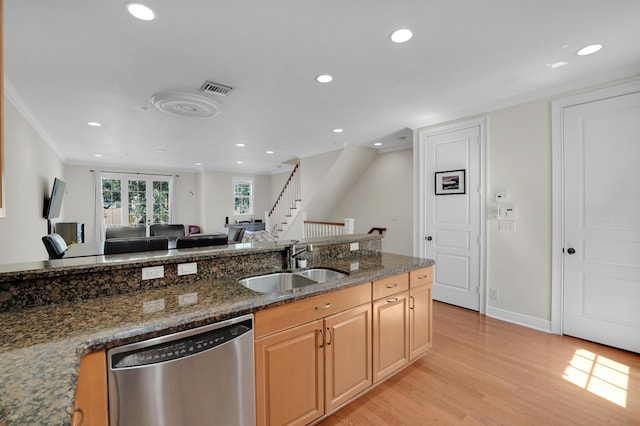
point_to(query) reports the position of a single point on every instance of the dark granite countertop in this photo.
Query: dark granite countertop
(40, 348)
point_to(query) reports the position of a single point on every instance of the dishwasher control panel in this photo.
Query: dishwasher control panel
(180, 348)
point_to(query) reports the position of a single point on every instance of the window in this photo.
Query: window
(135, 199)
(243, 196)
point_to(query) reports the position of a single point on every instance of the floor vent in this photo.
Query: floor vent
(215, 88)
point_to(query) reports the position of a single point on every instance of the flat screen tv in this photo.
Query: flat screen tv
(53, 204)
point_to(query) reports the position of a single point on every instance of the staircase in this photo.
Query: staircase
(325, 186)
(287, 205)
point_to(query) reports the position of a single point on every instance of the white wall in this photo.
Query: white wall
(383, 197)
(217, 190)
(519, 161)
(336, 181)
(30, 166)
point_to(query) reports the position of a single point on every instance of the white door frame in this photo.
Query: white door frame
(557, 195)
(421, 234)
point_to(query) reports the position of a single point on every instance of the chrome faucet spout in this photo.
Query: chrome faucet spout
(293, 254)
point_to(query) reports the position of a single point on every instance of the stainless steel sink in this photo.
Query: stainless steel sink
(289, 281)
(276, 283)
(321, 275)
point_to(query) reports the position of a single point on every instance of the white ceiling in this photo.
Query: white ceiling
(68, 62)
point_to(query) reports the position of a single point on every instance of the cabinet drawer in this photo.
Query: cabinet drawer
(388, 286)
(285, 316)
(421, 276)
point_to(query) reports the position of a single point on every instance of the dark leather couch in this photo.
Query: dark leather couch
(133, 245)
(201, 241)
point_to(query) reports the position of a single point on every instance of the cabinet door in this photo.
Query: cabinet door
(390, 335)
(347, 355)
(90, 408)
(420, 330)
(290, 376)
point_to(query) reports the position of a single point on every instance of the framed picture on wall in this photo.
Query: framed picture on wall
(450, 182)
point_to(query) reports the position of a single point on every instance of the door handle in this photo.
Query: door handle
(571, 250)
(429, 238)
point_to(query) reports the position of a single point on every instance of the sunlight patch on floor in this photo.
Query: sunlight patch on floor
(599, 375)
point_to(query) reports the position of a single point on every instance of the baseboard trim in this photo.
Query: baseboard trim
(519, 319)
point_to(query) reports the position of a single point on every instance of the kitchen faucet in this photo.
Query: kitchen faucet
(293, 254)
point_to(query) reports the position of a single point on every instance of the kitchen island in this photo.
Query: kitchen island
(55, 323)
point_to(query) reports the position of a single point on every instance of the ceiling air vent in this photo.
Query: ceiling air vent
(215, 88)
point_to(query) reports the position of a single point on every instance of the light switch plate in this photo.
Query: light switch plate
(188, 268)
(506, 226)
(152, 272)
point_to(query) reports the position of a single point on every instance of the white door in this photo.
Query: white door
(452, 221)
(601, 293)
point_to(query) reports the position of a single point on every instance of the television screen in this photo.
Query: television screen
(52, 205)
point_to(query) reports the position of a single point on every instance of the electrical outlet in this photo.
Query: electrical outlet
(354, 246)
(188, 268)
(152, 272)
(151, 306)
(354, 266)
(494, 294)
(187, 299)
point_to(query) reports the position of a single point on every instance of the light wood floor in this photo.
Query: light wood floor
(482, 371)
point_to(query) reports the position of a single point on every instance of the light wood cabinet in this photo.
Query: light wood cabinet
(420, 312)
(290, 376)
(347, 355)
(304, 371)
(390, 334)
(90, 407)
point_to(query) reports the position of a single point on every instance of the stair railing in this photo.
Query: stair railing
(285, 202)
(314, 229)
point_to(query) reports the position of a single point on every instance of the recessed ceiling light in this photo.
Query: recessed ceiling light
(97, 155)
(198, 164)
(239, 162)
(94, 124)
(324, 78)
(401, 36)
(270, 152)
(240, 145)
(377, 144)
(588, 50)
(141, 11)
(338, 130)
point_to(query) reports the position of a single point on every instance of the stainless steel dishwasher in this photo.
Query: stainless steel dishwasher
(198, 377)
